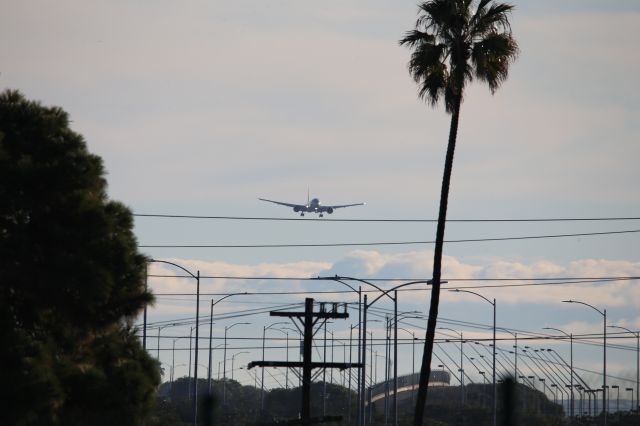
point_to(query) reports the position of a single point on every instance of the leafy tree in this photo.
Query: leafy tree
(453, 42)
(72, 280)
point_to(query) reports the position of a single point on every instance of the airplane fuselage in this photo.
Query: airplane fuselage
(312, 206)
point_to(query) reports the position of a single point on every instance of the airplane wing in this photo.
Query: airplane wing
(281, 203)
(344, 205)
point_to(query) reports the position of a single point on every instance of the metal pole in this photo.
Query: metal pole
(158, 351)
(413, 366)
(173, 363)
(224, 368)
(571, 368)
(264, 330)
(370, 377)
(364, 361)
(515, 377)
(395, 358)
(386, 372)
(195, 368)
(495, 390)
(350, 341)
(190, 341)
(461, 378)
(332, 346)
(360, 369)
(604, 368)
(209, 390)
(324, 373)
(287, 373)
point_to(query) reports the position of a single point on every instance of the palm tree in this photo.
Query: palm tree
(453, 42)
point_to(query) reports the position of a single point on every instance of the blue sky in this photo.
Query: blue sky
(200, 108)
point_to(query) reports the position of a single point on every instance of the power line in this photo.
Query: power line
(387, 243)
(329, 279)
(297, 219)
(303, 292)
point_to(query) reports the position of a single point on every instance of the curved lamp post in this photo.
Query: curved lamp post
(224, 361)
(570, 335)
(361, 370)
(604, 355)
(233, 359)
(264, 331)
(195, 276)
(459, 334)
(209, 388)
(637, 334)
(495, 399)
(515, 352)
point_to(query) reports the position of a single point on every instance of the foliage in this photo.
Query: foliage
(454, 41)
(72, 280)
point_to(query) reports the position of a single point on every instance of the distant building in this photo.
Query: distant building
(409, 383)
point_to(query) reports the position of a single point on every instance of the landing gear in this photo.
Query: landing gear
(321, 215)
(302, 214)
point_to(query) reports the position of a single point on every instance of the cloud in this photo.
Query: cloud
(416, 265)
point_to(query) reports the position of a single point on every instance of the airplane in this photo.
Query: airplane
(313, 206)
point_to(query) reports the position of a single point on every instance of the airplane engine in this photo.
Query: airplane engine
(296, 209)
(329, 210)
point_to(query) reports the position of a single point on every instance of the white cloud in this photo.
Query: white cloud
(416, 264)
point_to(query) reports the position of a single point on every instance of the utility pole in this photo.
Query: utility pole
(308, 319)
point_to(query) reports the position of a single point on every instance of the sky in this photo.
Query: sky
(201, 107)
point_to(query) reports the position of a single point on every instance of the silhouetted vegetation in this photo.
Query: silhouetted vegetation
(454, 41)
(72, 280)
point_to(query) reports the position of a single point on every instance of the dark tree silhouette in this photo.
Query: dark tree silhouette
(72, 280)
(454, 41)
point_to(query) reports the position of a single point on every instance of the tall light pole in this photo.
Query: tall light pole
(631, 390)
(366, 305)
(195, 276)
(233, 359)
(286, 377)
(160, 329)
(495, 390)
(571, 367)
(616, 387)
(637, 334)
(604, 354)
(214, 303)
(173, 363)
(224, 361)
(459, 333)
(264, 331)
(413, 359)
(515, 369)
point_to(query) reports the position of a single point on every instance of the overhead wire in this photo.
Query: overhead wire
(387, 243)
(299, 219)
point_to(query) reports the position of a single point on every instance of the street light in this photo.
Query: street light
(264, 331)
(160, 329)
(461, 364)
(631, 390)
(618, 398)
(224, 361)
(515, 352)
(637, 334)
(364, 329)
(495, 393)
(195, 382)
(570, 368)
(604, 352)
(211, 337)
(233, 358)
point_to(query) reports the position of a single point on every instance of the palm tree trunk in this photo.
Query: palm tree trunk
(425, 368)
